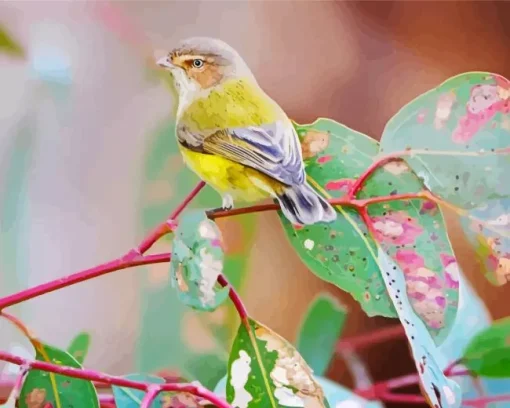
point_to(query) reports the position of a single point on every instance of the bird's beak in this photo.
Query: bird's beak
(165, 62)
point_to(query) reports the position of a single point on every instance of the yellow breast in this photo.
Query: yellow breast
(225, 176)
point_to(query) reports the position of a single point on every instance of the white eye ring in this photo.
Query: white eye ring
(198, 63)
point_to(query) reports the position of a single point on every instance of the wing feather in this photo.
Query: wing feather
(273, 150)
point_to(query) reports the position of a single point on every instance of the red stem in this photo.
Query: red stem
(369, 339)
(150, 397)
(124, 262)
(235, 298)
(356, 186)
(112, 380)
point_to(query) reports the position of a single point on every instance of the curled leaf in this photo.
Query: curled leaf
(264, 370)
(197, 261)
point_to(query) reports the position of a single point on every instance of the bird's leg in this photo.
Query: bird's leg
(227, 203)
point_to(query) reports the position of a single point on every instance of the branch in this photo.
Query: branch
(132, 258)
(91, 375)
(150, 397)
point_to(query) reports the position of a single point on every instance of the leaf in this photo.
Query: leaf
(439, 389)
(264, 370)
(413, 233)
(197, 261)
(131, 398)
(8, 45)
(340, 252)
(60, 391)
(488, 353)
(79, 347)
(320, 331)
(456, 137)
(336, 394)
(488, 229)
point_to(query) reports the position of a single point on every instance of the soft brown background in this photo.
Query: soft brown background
(355, 62)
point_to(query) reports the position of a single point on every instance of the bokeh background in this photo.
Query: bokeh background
(88, 164)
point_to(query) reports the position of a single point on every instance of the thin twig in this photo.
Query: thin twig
(152, 393)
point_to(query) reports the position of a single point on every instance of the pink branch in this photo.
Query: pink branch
(150, 397)
(235, 298)
(91, 375)
(115, 265)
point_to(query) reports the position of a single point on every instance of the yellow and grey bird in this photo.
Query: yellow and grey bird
(234, 136)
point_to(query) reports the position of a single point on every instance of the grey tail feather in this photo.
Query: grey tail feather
(302, 205)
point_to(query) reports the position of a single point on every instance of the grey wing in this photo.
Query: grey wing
(272, 149)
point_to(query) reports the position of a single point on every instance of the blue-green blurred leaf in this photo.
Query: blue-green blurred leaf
(320, 331)
(131, 398)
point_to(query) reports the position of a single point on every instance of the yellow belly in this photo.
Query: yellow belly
(227, 177)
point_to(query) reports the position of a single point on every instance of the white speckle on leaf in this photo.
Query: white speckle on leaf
(396, 168)
(501, 221)
(287, 398)
(309, 244)
(210, 268)
(240, 370)
(349, 404)
(450, 396)
(389, 228)
(453, 270)
(207, 230)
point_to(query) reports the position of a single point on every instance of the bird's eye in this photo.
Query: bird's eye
(198, 63)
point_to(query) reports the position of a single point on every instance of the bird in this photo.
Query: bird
(234, 136)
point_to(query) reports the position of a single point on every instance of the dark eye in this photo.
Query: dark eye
(198, 63)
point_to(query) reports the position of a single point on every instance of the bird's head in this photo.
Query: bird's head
(200, 63)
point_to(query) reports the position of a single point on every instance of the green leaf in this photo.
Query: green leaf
(79, 347)
(264, 370)
(340, 252)
(58, 390)
(320, 331)
(413, 233)
(8, 45)
(488, 230)
(488, 353)
(456, 137)
(197, 261)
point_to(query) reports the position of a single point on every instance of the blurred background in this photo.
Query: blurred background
(88, 161)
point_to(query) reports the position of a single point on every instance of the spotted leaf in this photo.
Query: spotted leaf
(264, 370)
(488, 229)
(441, 391)
(456, 137)
(413, 233)
(341, 252)
(42, 387)
(197, 260)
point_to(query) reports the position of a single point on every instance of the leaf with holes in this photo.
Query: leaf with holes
(488, 229)
(488, 353)
(8, 45)
(42, 387)
(197, 261)
(456, 137)
(316, 341)
(414, 234)
(79, 347)
(264, 370)
(441, 391)
(340, 252)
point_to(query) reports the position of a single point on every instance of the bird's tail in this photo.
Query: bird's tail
(302, 205)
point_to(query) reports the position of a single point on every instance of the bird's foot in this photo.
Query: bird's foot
(226, 204)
